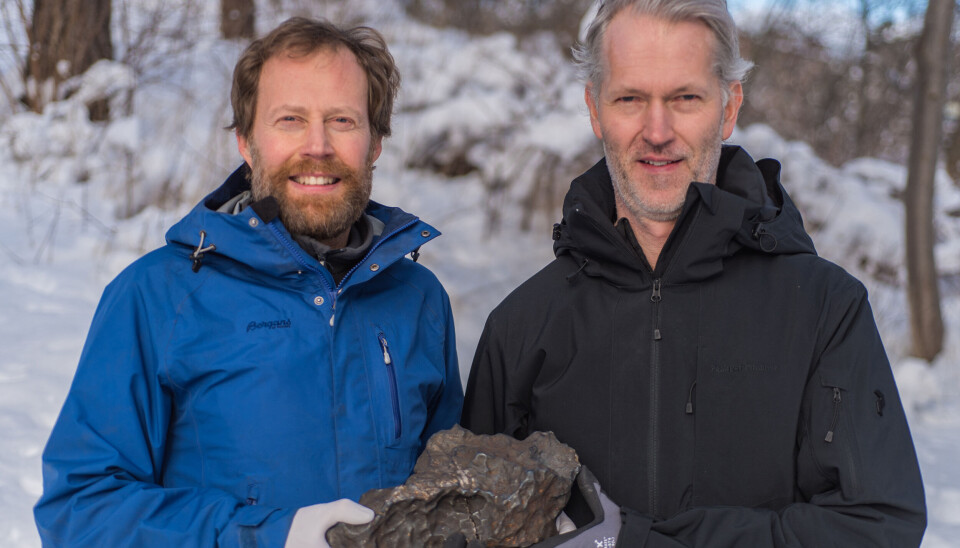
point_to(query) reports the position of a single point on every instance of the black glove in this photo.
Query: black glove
(603, 531)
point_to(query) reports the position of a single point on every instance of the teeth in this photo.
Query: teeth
(316, 181)
(657, 164)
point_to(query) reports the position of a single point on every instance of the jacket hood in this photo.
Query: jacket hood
(256, 237)
(747, 209)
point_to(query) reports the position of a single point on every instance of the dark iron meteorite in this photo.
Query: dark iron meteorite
(501, 491)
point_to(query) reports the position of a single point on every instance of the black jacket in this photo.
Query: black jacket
(737, 395)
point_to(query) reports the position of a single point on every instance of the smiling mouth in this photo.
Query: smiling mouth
(656, 163)
(315, 181)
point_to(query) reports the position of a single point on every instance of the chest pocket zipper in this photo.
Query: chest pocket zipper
(846, 445)
(392, 379)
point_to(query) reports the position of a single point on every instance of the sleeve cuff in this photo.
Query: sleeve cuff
(634, 530)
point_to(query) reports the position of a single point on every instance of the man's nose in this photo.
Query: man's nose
(658, 124)
(318, 143)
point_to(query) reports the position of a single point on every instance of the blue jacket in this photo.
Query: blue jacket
(209, 405)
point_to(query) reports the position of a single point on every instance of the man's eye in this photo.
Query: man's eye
(342, 122)
(627, 99)
(689, 97)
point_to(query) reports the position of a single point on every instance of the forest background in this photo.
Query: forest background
(111, 128)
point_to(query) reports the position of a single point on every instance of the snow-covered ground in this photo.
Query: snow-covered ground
(511, 109)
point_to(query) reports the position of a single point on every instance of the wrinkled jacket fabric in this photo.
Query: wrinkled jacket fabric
(209, 405)
(736, 395)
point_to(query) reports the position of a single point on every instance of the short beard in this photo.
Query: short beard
(323, 218)
(632, 199)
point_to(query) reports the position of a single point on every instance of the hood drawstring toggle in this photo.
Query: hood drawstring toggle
(197, 254)
(765, 238)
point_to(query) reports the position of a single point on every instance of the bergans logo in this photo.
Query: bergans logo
(734, 368)
(276, 324)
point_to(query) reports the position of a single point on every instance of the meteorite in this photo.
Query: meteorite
(496, 489)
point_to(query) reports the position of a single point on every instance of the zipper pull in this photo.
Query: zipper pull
(836, 414)
(655, 299)
(386, 349)
(689, 408)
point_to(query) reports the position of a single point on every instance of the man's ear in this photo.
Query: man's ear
(376, 149)
(732, 109)
(592, 102)
(244, 148)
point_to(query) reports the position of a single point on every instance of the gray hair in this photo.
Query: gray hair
(728, 65)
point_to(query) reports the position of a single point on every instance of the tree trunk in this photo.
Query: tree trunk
(237, 19)
(952, 160)
(66, 38)
(926, 321)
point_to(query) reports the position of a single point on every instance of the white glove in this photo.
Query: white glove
(310, 523)
(565, 524)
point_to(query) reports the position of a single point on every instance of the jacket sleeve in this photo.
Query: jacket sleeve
(103, 463)
(857, 472)
(485, 408)
(445, 409)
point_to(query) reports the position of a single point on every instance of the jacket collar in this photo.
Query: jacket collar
(259, 239)
(747, 209)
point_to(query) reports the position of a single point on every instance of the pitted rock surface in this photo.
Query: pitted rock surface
(495, 489)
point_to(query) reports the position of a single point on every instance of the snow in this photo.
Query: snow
(511, 109)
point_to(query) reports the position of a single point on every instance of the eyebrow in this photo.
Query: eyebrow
(288, 108)
(297, 109)
(679, 90)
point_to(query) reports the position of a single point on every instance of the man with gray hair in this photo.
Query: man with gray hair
(724, 385)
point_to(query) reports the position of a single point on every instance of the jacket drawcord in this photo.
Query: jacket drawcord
(760, 234)
(415, 254)
(197, 254)
(571, 277)
(690, 398)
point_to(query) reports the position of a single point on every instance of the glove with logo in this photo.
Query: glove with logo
(310, 523)
(603, 531)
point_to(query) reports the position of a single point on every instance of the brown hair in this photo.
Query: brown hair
(301, 36)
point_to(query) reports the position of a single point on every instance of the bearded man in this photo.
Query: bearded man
(280, 356)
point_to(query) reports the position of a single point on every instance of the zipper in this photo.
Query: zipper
(837, 400)
(653, 470)
(847, 450)
(655, 299)
(392, 377)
